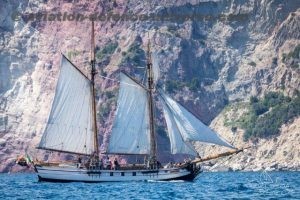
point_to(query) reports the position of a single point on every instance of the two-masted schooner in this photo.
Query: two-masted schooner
(72, 128)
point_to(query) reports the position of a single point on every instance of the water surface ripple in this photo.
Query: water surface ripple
(231, 185)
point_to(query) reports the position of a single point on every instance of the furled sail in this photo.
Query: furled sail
(178, 145)
(156, 69)
(190, 127)
(131, 128)
(70, 127)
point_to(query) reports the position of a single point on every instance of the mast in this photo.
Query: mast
(151, 107)
(93, 73)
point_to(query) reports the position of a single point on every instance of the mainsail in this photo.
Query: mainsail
(190, 127)
(131, 128)
(70, 124)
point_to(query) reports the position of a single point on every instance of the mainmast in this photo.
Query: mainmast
(93, 73)
(151, 108)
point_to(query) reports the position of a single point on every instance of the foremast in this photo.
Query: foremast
(153, 156)
(93, 73)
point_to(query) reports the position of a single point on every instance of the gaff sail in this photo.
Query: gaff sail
(70, 124)
(131, 128)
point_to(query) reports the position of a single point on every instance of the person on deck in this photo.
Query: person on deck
(158, 164)
(109, 166)
(116, 164)
(79, 161)
(107, 163)
(100, 164)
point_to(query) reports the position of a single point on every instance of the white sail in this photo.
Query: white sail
(70, 127)
(131, 128)
(190, 127)
(156, 69)
(178, 145)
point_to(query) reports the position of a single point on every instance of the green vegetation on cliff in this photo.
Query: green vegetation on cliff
(175, 85)
(292, 58)
(293, 54)
(109, 98)
(135, 55)
(265, 116)
(105, 53)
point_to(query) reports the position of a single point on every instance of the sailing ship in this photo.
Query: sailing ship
(72, 128)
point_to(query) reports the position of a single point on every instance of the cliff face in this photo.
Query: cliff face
(277, 153)
(210, 54)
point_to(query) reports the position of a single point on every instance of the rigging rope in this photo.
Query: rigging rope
(115, 80)
(112, 79)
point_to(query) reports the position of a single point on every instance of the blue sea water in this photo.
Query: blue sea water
(230, 185)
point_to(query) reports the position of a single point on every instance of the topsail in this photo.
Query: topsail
(156, 70)
(70, 124)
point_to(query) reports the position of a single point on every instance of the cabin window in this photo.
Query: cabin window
(122, 173)
(111, 173)
(133, 173)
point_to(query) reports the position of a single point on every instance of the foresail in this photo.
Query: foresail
(69, 127)
(131, 128)
(178, 145)
(190, 127)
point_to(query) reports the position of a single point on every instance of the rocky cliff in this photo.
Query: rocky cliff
(210, 54)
